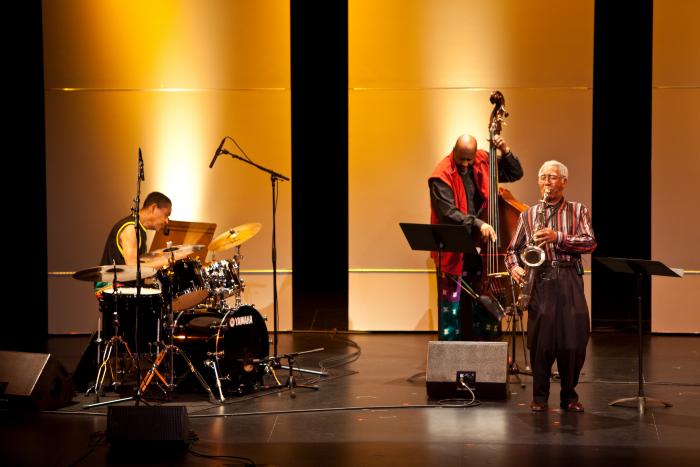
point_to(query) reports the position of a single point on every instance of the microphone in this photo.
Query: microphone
(141, 176)
(218, 151)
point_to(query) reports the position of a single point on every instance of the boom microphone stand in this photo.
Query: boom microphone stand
(275, 177)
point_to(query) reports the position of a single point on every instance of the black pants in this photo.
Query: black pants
(558, 329)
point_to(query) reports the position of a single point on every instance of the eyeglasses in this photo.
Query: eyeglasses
(550, 177)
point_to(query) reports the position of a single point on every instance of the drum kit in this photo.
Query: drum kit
(183, 302)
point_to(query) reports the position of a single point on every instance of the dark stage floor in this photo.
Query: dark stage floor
(374, 410)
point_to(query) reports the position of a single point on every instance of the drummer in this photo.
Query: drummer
(121, 244)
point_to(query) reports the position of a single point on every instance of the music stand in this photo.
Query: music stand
(439, 237)
(641, 268)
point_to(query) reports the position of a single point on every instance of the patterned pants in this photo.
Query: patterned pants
(461, 318)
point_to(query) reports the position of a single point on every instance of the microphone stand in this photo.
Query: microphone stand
(137, 228)
(275, 177)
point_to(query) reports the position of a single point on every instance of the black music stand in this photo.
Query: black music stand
(439, 237)
(641, 268)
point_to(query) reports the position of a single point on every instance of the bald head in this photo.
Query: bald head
(464, 150)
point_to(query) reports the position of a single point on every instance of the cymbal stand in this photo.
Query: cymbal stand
(237, 258)
(169, 350)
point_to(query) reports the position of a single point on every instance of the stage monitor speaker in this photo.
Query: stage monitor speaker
(483, 366)
(33, 381)
(146, 425)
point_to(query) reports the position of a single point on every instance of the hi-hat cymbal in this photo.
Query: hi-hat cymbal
(235, 236)
(106, 273)
(159, 258)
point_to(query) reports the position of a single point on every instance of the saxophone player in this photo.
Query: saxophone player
(558, 321)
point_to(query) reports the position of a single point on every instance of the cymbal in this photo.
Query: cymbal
(106, 273)
(158, 258)
(235, 236)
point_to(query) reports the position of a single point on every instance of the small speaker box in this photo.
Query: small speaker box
(483, 366)
(33, 381)
(145, 425)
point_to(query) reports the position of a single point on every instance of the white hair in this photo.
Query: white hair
(563, 171)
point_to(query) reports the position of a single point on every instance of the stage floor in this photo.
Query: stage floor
(372, 409)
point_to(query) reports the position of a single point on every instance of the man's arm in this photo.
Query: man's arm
(517, 243)
(583, 241)
(128, 243)
(443, 202)
(509, 168)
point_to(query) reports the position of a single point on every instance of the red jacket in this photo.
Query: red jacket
(447, 171)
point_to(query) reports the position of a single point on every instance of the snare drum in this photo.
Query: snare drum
(188, 285)
(123, 303)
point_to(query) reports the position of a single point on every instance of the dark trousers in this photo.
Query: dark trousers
(558, 329)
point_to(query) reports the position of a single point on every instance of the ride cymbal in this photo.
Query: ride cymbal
(235, 236)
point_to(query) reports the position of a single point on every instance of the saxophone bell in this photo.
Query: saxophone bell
(532, 255)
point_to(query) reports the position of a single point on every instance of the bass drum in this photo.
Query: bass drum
(243, 338)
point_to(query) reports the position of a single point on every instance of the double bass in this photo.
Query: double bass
(502, 213)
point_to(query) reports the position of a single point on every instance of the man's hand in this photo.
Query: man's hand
(517, 273)
(500, 143)
(487, 232)
(543, 236)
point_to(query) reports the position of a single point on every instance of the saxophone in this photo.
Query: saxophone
(532, 256)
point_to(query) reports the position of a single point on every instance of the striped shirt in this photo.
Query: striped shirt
(569, 219)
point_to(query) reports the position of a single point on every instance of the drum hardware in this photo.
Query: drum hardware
(212, 364)
(169, 350)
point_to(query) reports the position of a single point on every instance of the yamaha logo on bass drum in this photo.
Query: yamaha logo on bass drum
(240, 320)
